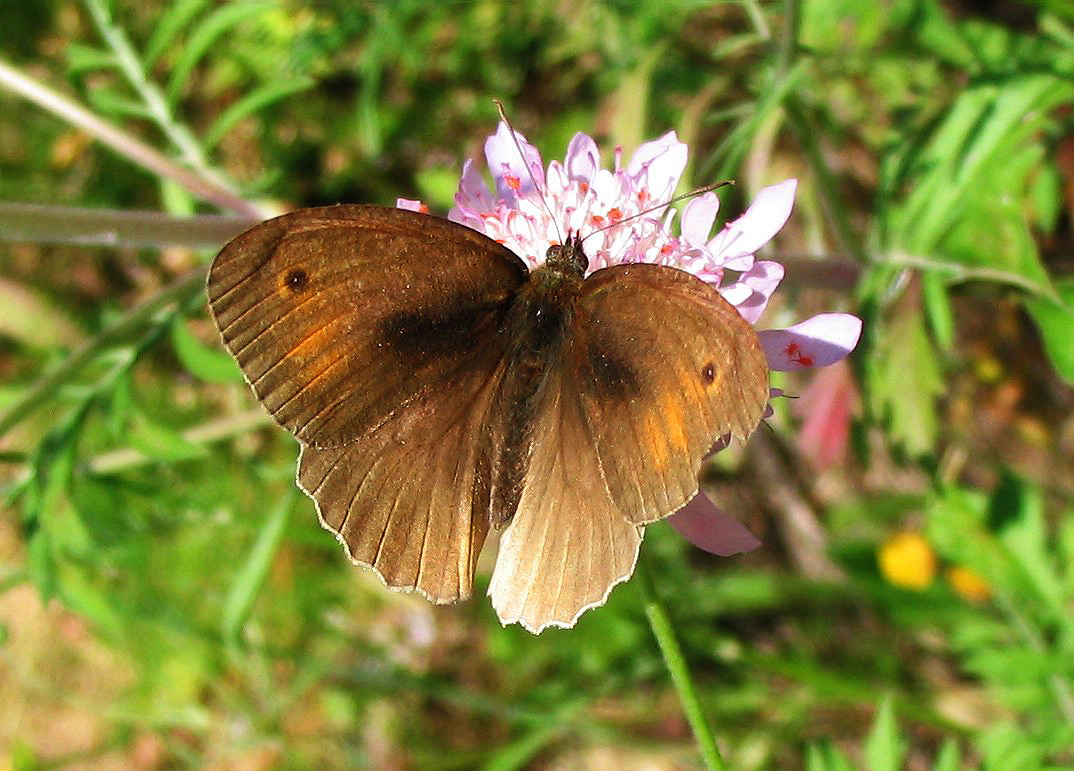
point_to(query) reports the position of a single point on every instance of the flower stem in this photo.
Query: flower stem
(12, 79)
(680, 673)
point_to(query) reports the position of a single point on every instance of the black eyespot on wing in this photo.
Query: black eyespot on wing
(297, 280)
(708, 373)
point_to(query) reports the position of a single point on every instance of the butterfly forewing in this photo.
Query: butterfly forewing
(340, 316)
(662, 366)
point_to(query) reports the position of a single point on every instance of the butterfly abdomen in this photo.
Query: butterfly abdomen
(538, 320)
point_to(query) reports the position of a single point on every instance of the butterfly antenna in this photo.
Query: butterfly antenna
(529, 171)
(664, 205)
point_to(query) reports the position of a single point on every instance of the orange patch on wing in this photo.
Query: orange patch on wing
(656, 441)
(674, 422)
(308, 347)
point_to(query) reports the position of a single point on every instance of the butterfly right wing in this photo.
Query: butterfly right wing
(341, 315)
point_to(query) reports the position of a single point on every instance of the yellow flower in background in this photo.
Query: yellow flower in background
(968, 584)
(907, 561)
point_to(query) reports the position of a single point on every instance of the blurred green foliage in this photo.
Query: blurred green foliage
(186, 607)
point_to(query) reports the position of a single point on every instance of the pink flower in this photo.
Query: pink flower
(580, 196)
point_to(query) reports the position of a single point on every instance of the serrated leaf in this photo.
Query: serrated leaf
(1024, 536)
(258, 99)
(205, 35)
(905, 381)
(884, 749)
(1055, 319)
(209, 364)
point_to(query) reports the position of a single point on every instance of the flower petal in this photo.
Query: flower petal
(817, 342)
(751, 292)
(508, 168)
(583, 158)
(826, 407)
(762, 220)
(697, 218)
(708, 528)
(656, 167)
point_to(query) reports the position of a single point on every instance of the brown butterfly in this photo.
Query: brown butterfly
(439, 387)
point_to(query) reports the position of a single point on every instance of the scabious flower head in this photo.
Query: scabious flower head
(532, 208)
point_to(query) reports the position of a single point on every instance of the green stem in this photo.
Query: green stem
(12, 79)
(44, 224)
(131, 66)
(680, 673)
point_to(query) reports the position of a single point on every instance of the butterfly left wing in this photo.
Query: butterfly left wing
(664, 367)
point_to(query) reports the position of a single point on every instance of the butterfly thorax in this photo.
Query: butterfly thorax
(567, 258)
(537, 323)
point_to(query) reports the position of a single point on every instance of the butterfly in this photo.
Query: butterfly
(439, 388)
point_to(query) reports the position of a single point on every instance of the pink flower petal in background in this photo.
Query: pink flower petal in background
(734, 246)
(816, 342)
(708, 528)
(826, 407)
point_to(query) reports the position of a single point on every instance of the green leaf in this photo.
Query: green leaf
(826, 757)
(905, 379)
(251, 575)
(258, 99)
(162, 443)
(82, 58)
(107, 101)
(216, 25)
(209, 364)
(171, 23)
(884, 749)
(89, 601)
(948, 758)
(972, 181)
(938, 308)
(1056, 323)
(1024, 536)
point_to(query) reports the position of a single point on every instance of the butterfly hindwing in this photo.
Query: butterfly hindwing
(410, 498)
(568, 543)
